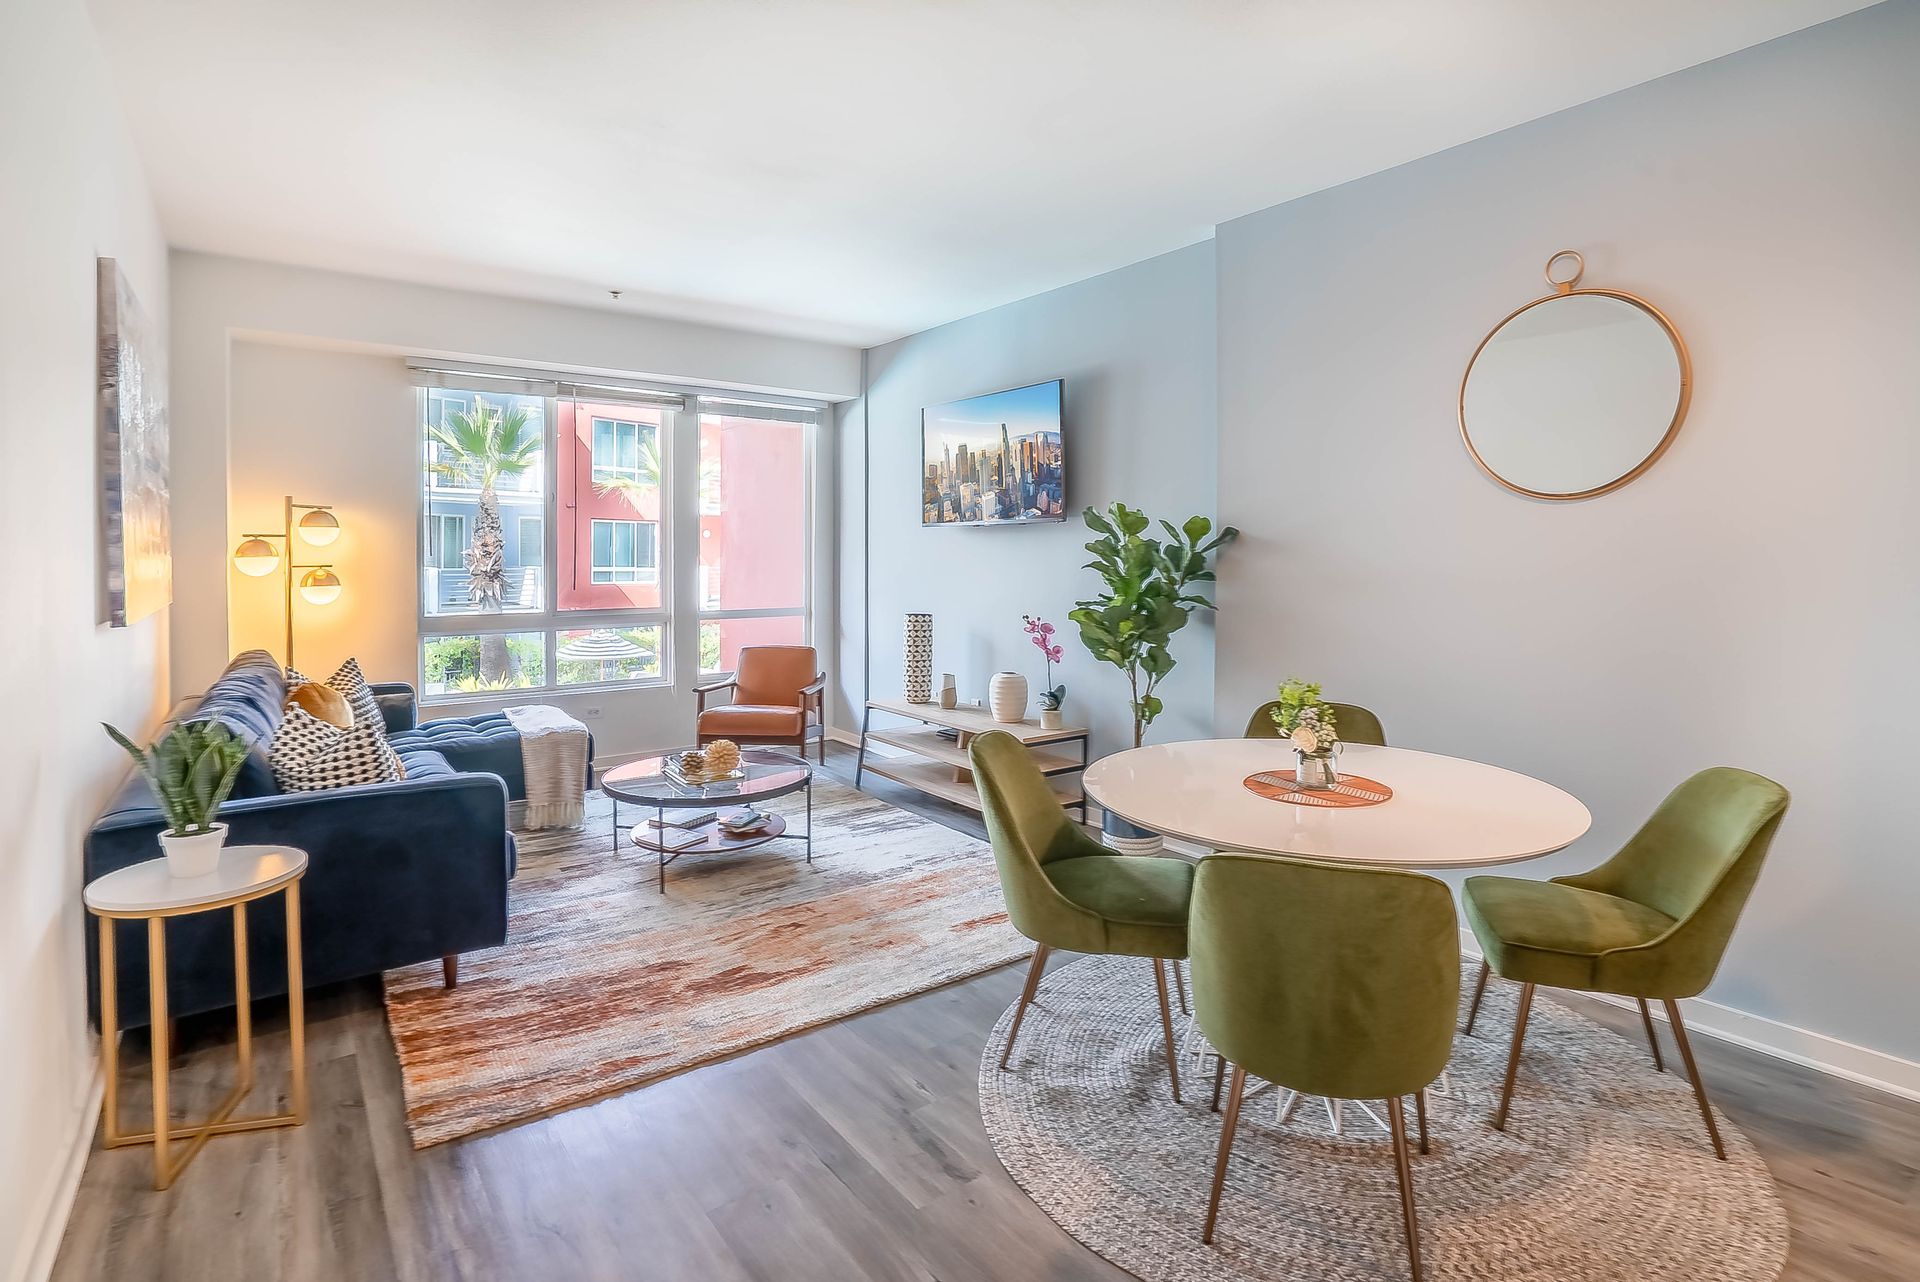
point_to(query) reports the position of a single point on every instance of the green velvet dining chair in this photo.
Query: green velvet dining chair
(1327, 980)
(1066, 890)
(1353, 723)
(1652, 922)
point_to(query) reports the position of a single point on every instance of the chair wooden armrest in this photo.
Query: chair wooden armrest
(700, 693)
(815, 687)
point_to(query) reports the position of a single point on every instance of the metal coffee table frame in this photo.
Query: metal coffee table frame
(657, 791)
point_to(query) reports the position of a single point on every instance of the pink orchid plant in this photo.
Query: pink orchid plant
(1042, 633)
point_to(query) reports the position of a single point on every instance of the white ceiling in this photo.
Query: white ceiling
(845, 169)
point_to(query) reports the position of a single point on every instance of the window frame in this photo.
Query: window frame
(648, 572)
(809, 453)
(678, 433)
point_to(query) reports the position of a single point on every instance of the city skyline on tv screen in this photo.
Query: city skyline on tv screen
(994, 459)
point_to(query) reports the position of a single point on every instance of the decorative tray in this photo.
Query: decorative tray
(700, 778)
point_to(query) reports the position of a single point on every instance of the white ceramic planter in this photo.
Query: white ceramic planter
(196, 854)
(1051, 719)
(1007, 697)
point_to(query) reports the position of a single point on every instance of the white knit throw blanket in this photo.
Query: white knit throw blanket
(553, 753)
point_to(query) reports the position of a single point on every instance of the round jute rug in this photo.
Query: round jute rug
(1604, 1172)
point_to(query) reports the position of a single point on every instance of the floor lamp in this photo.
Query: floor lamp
(257, 557)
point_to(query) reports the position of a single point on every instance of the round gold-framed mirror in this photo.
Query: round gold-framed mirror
(1577, 393)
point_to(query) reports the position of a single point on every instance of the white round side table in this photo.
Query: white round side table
(148, 892)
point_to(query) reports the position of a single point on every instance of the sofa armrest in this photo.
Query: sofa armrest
(399, 706)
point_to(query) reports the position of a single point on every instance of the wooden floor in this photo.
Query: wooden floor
(851, 1152)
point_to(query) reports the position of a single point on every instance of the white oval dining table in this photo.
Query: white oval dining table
(1445, 812)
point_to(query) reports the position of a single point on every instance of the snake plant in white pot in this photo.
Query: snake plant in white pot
(192, 768)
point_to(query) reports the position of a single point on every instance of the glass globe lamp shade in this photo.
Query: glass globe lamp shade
(319, 527)
(321, 586)
(256, 557)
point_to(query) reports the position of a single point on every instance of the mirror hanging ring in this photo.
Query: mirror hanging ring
(1577, 393)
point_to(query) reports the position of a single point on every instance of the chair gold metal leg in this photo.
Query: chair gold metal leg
(1034, 970)
(1166, 1026)
(1219, 1074)
(1693, 1073)
(1234, 1095)
(1653, 1038)
(1180, 987)
(1403, 1167)
(1420, 1111)
(157, 1031)
(1479, 991)
(1513, 1058)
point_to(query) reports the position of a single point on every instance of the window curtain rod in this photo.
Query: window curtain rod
(457, 376)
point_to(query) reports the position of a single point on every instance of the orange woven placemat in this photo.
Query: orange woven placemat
(1352, 790)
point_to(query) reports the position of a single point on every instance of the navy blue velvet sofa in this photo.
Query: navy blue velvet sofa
(398, 873)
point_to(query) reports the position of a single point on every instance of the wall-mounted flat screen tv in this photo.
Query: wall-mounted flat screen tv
(996, 459)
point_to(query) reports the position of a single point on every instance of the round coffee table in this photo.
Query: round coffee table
(765, 774)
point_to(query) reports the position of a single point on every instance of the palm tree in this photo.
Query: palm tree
(647, 478)
(489, 443)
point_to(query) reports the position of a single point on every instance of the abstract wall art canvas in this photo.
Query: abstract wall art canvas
(136, 537)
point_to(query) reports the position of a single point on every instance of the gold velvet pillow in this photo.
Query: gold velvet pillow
(323, 703)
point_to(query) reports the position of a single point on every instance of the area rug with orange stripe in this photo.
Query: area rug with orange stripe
(605, 983)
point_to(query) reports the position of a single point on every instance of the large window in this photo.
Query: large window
(549, 532)
(754, 520)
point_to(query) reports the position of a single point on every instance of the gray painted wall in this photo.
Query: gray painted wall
(1751, 600)
(1136, 349)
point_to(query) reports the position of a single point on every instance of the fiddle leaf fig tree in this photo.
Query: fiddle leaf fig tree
(1150, 594)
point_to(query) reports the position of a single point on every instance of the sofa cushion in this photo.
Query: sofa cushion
(247, 699)
(424, 763)
(483, 744)
(752, 720)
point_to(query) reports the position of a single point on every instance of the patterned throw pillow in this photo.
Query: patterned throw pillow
(308, 754)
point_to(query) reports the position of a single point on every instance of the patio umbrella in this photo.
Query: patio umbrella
(605, 647)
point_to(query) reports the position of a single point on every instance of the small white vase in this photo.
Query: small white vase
(194, 854)
(1050, 719)
(1007, 697)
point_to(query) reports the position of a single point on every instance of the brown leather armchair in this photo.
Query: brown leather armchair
(778, 698)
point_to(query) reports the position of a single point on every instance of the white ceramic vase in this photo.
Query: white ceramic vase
(194, 854)
(1007, 697)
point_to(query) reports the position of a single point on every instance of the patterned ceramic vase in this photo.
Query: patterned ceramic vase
(919, 658)
(1007, 696)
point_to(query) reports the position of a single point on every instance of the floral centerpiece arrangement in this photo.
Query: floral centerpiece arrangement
(1051, 695)
(1308, 723)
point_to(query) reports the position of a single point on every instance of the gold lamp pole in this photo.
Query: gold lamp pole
(257, 557)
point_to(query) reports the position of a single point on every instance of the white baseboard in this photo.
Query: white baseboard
(1830, 1055)
(851, 738)
(36, 1263)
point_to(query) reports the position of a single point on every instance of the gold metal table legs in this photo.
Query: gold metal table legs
(175, 1145)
